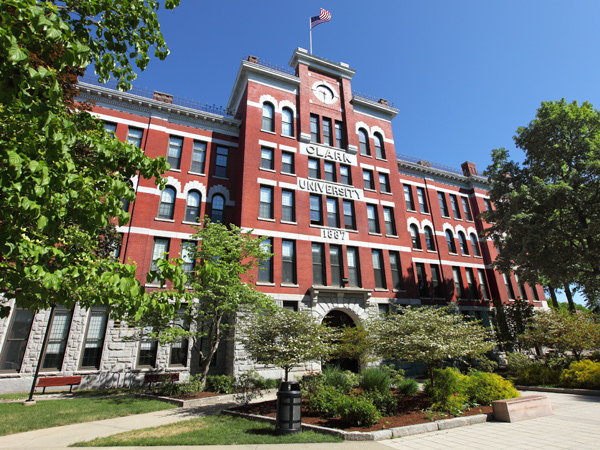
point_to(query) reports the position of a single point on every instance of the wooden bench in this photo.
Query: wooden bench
(58, 381)
(521, 408)
(160, 377)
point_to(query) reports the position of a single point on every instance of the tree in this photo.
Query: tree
(510, 321)
(430, 336)
(62, 176)
(352, 342)
(216, 294)
(547, 216)
(563, 331)
(286, 338)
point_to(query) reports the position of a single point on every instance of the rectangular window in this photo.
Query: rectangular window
(160, 250)
(187, 254)
(221, 162)
(339, 137)
(378, 271)
(198, 157)
(148, 349)
(315, 210)
(384, 182)
(134, 136)
(57, 341)
(349, 221)
(16, 341)
(509, 289)
(329, 171)
(333, 216)
(318, 264)
(384, 309)
(290, 305)
(265, 210)
(397, 281)
(373, 219)
(174, 152)
(179, 349)
(314, 129)
(466, 208)
(353, 267)
(443, 204)
(335, 261)
(422, 200)
(288, 262)
(388, 219)
(422, 280)
(265, 268)
(488, 204)
(473, 291)
(455, 207)
(287, 162)
(266, 158)
(368, 179)
(327, 136)
(436, 281)
(408, 198)
(458, 283)
(314, 170)
(94, 339)
(110, 127)
(522, 288)
(345, 177)
(483, 284)
(288, 213)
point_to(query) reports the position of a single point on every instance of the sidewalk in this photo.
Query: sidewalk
(574, 425)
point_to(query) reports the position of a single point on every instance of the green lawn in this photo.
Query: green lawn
(211, 430)
(17, 418)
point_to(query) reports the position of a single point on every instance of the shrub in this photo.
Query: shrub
(220, 384)
(170, 388)
(484, 388)
(396, 375)
(448, 392)
(582, 374)
(247, 387)
(516, 362)
(359, 411)
(559, 362)
(270, 383)
(537, 374)
(193, 386)
(375, 379)
(482, 363)
(334, 376)
(325, 402)
(407, 387)
(595, 356)
(385, 402)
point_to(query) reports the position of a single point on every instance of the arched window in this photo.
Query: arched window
(475, 245)
(192, 209)
(414, 235)
(218, 208)
(429, 240)
(287, 122)
(268, 117)
(167, 203)
(450, 241)
(464, 247)
(363, 139)
(379, 150)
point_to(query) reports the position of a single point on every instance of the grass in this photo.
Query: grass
(17, 418)
(76, 393)
(210, 430)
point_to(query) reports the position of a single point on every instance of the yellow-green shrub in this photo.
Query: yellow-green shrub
(582, 374)
(538, 374)
(484, 388)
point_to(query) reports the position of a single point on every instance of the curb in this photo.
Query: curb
(214, 400)
(380, 435)
(591, 392)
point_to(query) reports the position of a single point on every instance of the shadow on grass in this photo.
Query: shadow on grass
(262, 431)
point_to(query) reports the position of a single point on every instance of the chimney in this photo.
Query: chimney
(468, 168)
(383, 101)
(162, 97)
(253, 59)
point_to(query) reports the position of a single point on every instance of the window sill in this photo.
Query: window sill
(365, 156)
(265, 283)
(266, 170)
(288, 174)
(386, 193)
(288, 137)
(268, 131)
(152, 285)
(381, 290)
(370, 190)
(187, 222)
(266, 219)
(417, 249)
(478, 257)
(288, 222)
(425, 213)
(381, 159)
(411, 210)
(158, 219)
(470, 221)
(374, 234)
(174, 170)
(453, 254)
(394, 236)
(289, 285)
(216, 177)
(196, 173)
(399, 290)
(431, 251)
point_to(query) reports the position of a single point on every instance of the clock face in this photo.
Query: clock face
(325, 94)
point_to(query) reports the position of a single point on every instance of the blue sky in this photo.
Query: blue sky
(464, 74)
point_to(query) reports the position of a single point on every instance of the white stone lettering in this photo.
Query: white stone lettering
(327, 153)
(318, 187)
(335, 234)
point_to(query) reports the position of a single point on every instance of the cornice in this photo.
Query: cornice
(471, 181)
(341, 70)
(379, 107)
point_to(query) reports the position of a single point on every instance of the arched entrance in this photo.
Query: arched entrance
(339, 319)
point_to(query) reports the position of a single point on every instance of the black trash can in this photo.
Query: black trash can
(289, 408)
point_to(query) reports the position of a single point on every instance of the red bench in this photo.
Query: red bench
(160, 377)
(58, 381)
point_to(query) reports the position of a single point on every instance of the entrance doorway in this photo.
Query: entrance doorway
(339, 319)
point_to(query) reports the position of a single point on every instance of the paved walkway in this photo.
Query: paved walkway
(575, 425)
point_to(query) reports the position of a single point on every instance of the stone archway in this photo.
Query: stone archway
(339, 319)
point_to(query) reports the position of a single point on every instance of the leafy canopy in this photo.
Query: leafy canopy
(547, 217)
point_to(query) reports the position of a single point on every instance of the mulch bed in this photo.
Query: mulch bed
(411, 411)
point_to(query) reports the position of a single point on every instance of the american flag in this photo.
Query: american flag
(324, 16)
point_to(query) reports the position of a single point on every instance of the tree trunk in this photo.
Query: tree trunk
(569, 298)
(553, 296)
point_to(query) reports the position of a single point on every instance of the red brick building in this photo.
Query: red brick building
(313, 169)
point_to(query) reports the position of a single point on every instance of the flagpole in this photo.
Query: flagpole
(310, 28)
